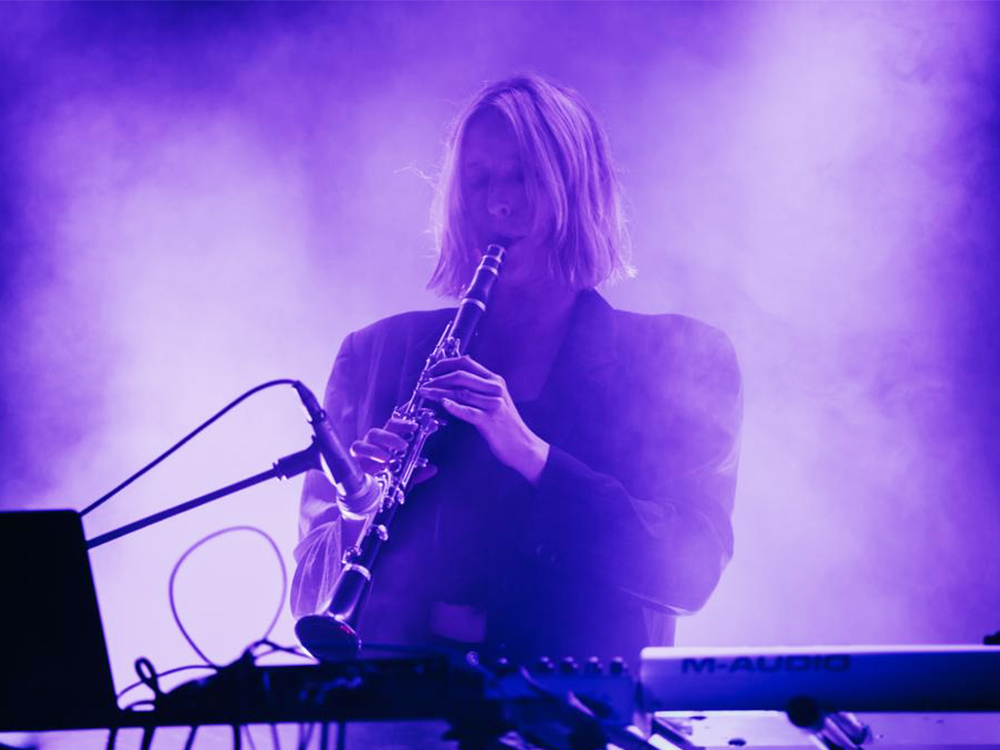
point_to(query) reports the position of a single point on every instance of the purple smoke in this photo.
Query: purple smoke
(197, 198)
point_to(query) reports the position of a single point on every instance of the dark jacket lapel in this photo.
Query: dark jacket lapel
(582, 374)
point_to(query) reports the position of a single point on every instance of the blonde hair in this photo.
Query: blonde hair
(566, 159)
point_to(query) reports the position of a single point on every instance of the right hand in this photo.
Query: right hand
(379, 446)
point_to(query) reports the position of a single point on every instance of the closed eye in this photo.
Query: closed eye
(476, 178)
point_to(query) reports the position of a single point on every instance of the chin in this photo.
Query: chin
(504, 240)
(526, 279)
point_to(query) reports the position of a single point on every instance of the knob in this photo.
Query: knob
(617, 666)
(545, 665)
(569, 666)
(504, 667)
(593, 666)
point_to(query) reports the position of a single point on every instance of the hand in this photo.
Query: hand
(470, 392)
(379, 446)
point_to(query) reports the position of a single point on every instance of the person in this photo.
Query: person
(582, 491)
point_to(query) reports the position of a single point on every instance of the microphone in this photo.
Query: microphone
(359, 495)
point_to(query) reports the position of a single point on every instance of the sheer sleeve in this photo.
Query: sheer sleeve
(321, 528)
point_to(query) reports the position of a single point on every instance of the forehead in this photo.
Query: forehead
(489, 137)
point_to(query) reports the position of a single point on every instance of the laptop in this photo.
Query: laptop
(54, 668)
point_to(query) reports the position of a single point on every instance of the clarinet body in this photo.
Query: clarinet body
(333, 635)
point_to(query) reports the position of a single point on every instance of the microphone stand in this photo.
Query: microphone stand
(284, 468)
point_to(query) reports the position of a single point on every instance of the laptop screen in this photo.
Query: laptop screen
(54, 669)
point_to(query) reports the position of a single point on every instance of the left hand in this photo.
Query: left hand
(470, 392)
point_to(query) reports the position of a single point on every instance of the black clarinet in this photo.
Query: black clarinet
(334, 634)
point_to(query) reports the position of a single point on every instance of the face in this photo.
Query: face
(494, 192)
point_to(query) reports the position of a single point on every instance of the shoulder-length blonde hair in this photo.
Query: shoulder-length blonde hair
(566, 159)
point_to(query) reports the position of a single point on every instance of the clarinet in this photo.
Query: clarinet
(334, 634)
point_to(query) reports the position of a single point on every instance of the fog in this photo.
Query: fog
(198, 198)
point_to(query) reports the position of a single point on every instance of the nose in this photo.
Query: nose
(499, 210)
(498, 203)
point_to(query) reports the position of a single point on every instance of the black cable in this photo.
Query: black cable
(189, 742)
(147, 737)
(275, 739)
(148, 676)
(112, 738)
(104, 498)
(274, 648)
(196, 545)
(237, 742)
(246, 728)
(305, 735)
(140, 683)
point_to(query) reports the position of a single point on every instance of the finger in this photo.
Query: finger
(469, 414)
(390, 440)
(465, 362)
(362, 449)
(370, 466)
(467, 380)
(399, 426)
(463, 397)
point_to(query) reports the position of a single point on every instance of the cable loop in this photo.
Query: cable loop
(147, 675)
(199, 543)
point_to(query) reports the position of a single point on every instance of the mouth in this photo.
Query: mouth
(504, 232)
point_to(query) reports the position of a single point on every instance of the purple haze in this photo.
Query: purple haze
(196, 198)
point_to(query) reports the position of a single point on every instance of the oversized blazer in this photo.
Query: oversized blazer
(629, 524)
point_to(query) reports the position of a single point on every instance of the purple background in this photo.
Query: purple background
(195, 198)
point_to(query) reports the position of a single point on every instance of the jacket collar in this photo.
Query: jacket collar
(581, 379)
(590, 340)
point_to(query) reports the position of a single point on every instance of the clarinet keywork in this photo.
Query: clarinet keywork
(334, 634)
